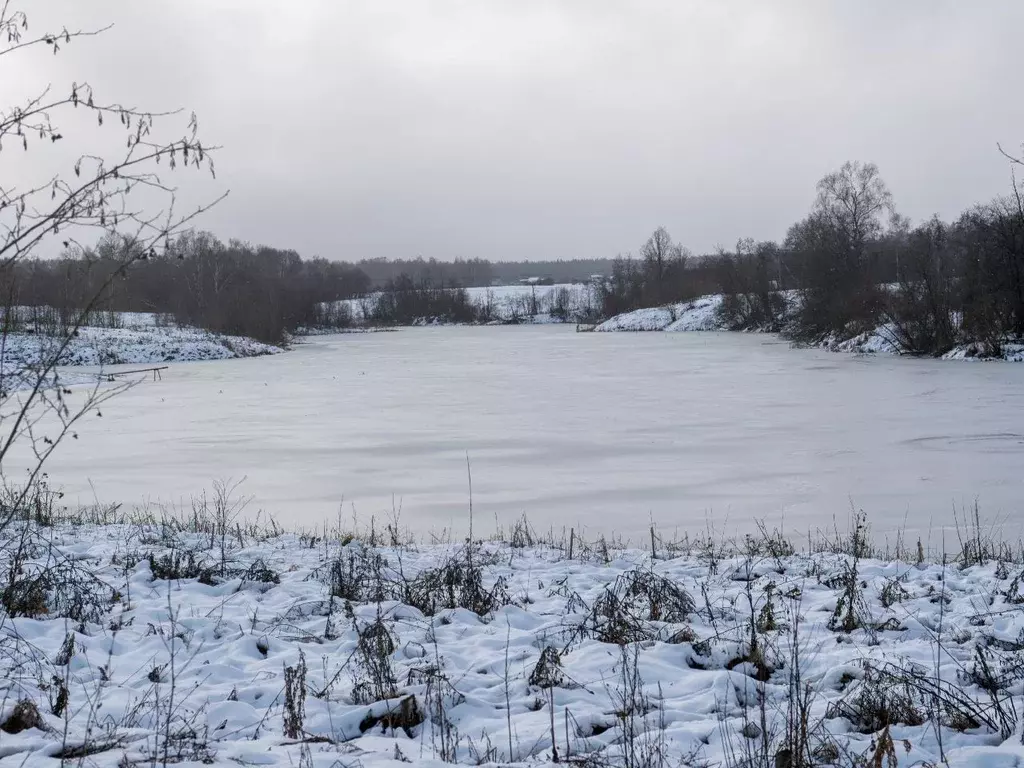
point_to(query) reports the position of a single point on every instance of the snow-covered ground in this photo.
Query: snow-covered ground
(598, 430)
(139, 341)
(307, 651)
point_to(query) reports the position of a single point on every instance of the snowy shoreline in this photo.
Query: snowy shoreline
(702, 314)
(160, 637)
(139, 341)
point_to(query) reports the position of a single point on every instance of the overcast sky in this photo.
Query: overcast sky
(527, 130)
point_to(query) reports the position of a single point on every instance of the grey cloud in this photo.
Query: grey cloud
(559, 129)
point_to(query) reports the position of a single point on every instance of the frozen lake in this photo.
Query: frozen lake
(599, 431)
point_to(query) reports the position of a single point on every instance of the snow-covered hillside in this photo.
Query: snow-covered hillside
(140, 644)
(138, 341)
(698, 315)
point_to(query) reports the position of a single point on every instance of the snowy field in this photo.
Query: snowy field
(504, 294)
(507, 301)
(159, 647)
(604, 432)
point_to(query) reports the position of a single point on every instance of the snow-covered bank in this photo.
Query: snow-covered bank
(698, 315)
(1012, 352)
(702, 314)
(135, 344)
(148, 645)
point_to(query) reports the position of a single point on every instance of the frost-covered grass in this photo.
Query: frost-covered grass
(153, 643)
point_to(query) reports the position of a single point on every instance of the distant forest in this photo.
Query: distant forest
(250, 290)
(472, 273)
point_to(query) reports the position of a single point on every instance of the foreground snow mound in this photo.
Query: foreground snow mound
(136, 345)
(139, 644)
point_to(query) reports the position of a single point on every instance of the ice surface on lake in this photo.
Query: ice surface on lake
(604, 431)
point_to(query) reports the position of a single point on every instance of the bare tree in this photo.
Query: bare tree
(124, 195)
(854, 200)
(660, 255)
(920, 313)
(833, 247)
(658, 250)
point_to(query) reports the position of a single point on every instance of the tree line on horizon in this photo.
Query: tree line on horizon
(250, 290)
(851, 265)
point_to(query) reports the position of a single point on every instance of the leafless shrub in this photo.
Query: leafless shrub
(643, 743)
(295, 698)
(880, 700)
(373, 673)
(523, 534)
(851, 611)
(24, 716)
(261, 573)
(59, 696)
(624, 611)
(440, 697)
(456, 583)
(882, 753)
(547, 673)
(893, 592)
(771, 544)
(179, 564)
(56, 587)
(780, 732)
(978, 543)
(768, 619)
(34, 503)
(893, 695)
(998, 673)
(357, 574)
(1013, 592)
